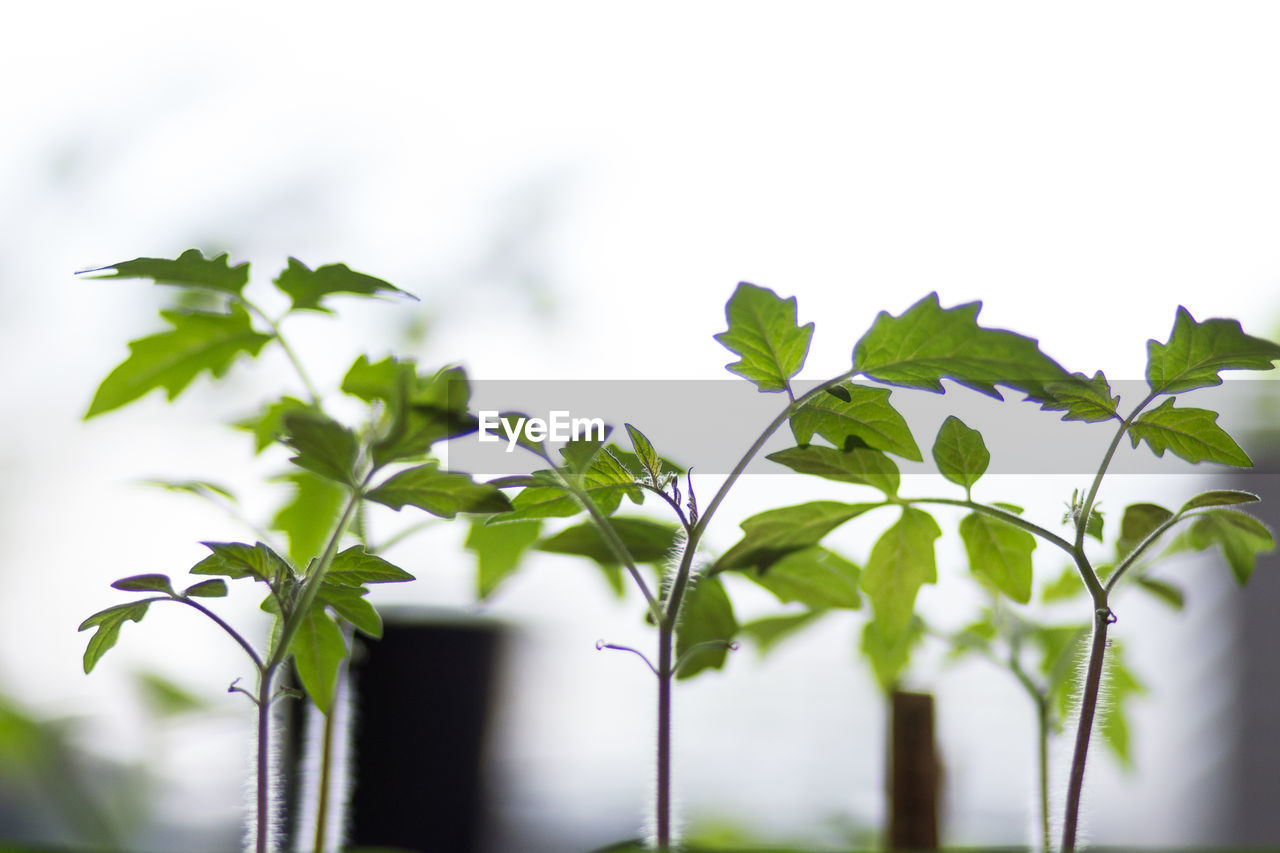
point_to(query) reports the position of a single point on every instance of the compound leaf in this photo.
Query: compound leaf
(1192, 434)
(859, 411)
(441, 493)
(307, 287)
(1196, 352)
(764, 333)
(901, 561)
(190, 269)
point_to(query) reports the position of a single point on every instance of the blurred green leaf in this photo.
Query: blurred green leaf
(190, 269)
(308, 288)
(311, 514)
(441, 493)
(890, 655)
(498, 549)
(1000, 553)
(815, 577)
(645, 540)
(901, 561)
(768, 631)
(860, 465)
(769, 535)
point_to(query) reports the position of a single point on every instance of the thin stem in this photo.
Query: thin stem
(1088, 705)
(1087, 507)
(327, 750)
(264, 760)
(1132, 557)
(218, 620)
(666, 637)
(995, 512)
(288, 350)
(1042, 737)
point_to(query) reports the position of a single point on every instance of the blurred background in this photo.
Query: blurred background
(573, 190)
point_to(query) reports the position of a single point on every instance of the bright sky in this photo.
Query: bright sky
(574, 190)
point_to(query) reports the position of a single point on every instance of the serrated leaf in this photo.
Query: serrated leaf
(763, 332)
(498, 549)
(1219, 497)
(768, 631)
(928, 343)
(901, 561)
(581, 453)
(310, 516)
(238, 560)
(1192, 434)
(646, 541)
(1000, 553)
(1082, 398)
(308, 288)
(1241, 538)
(770, 535)
(706, 615)
(538, 502)
(1138, 522)
(815, 577)
(145, 583)
(212, 588)
(198, 341)
(860, 465)
(645, 453)
(356, 567)
(318, 650)
(609, 470)
(323, 445)
(889, 656)
(109, 622)
(268, 425)
(422, 410)
(960, 452)
(859, 411)
(1196, 352)
(441, 493)
(1170, 594)
(190, 269)
(350, 603)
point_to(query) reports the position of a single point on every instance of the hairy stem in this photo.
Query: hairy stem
(263, 840)
(666, 639)
(1088, 706)
(1042, 738)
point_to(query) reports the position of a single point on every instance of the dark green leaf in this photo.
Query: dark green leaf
(1139, 522)
(646, 541)
(901, 561)
(859, 411)
(379, 380)
(308, 287)
(318, 651)
(212, 588)
(764, 333)
(356, 567)
(421, 410)
(170, 360)
(928, 344)
(268, 425)
(1000, 553)
(323, 445)
(768, 631)
(190, 269)
(238, 560)
(498, 549)
(441, 493)
(1241, 537)
(646, 454)
(889, 656)
(1197, 352)
(815, 577)
(109, 622)
(310, 516)
(1168, 593)
(860, 465)
(351, 604)
(706, 616)
(1192, 434)
(960, 452)
(145, 583)
(1082, 398)
(1218, 497)
(774, 533)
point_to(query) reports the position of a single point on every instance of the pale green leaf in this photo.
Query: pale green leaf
(859, 411)
(999, 553)
(318, 651)
(766, 632)
(859, 465)
(1241, 538)
(310, 516)
(774, 533)
(1139, 521)
(645, 540)
(890, 655)
(498, 549)
(1218, 497)
(1196, 352)
(441, 493)
(960, 452)
(901, 561)
(763, 332)
(815, 577)
(1192, 434)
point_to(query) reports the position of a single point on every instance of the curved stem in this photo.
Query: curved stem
(1132, 557)
(1004, 515)
(288, 350)
(221, 623)
(1087, 507)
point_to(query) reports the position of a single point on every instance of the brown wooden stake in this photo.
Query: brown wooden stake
(913, 773)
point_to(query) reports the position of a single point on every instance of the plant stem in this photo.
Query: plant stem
(327, 748)
(1003, 515)
(666, 637)
(288, 351)
(264, 760)
(1088, 705)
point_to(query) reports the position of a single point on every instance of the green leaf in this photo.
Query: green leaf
(901, 561)
(768, 631)
(498, 549)
(1241, 537)
(999, 553)
(200, 488)
(1121, 685)
(190, 269)
(1067, 586)
(1093, 527)
(860, 465)
(706, 616)
(538, 502)
(772, 534)
(1218, 497)
(307, 287)
(422, 410)
(890, 655)
(350, 603)
(323, 445)
(960, 452)
(1140, 521)
(859, 411)
(238, 560)
(815, 577)
(165, 698)
(356, 567)
(109, 622)
(647, 455)
(1062, 647)
(268, 425)
(1168, 593)
(763, 331)
(1197, 352)
(170, 360)
(646, 541)
(607, 469)
(1193, 434)
(212, 588)
(1082, 398)
(441, 493)
(318, 651)
(310, 516)
(929, 343)
(145, 583)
